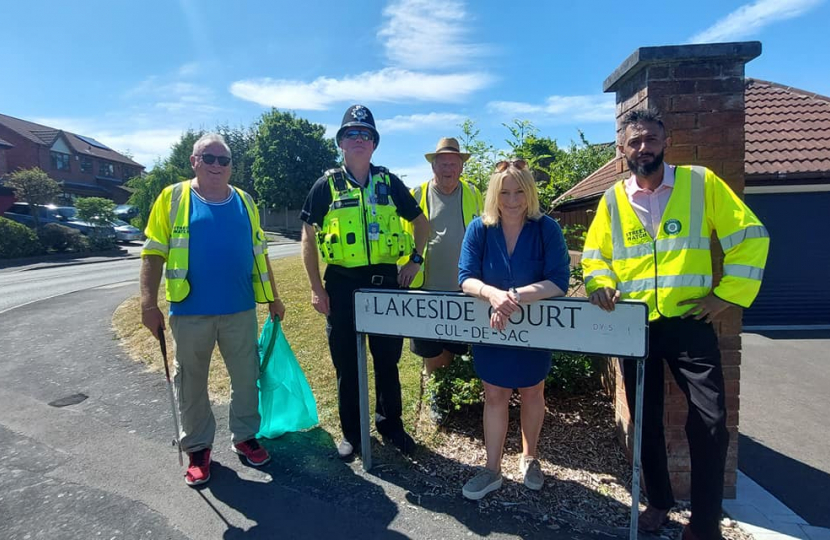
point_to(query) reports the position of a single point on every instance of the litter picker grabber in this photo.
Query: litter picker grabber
(176, 442)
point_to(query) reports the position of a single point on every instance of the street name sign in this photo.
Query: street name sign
(560, 324)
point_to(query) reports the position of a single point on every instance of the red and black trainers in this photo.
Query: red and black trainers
(198, 472)
(254, 453)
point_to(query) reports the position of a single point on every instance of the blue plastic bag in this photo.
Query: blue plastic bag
(286, 402)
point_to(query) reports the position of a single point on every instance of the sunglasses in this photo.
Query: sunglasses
(210, 159)
(354, 134)
(519, 164)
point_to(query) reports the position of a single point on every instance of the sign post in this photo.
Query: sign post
(560, 324)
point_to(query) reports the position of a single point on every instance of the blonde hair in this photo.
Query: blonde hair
(490, 216)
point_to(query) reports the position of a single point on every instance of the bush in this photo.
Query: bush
(17, 240)
(56, 237)
(457, 385)
(99, 243)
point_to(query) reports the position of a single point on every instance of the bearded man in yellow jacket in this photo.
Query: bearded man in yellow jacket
(650, 241)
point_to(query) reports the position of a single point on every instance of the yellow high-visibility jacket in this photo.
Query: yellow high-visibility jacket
(677, 265)
(471, 207)
(345, 238)
(168, 235)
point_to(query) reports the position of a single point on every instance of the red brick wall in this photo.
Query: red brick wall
(702, 101)
(3, 167)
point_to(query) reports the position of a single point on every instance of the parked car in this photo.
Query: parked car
(126, 211)
(124, 232)
(63, 215)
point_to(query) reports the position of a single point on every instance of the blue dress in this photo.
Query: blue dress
(540, 254)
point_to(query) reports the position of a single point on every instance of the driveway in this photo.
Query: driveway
(785, 410)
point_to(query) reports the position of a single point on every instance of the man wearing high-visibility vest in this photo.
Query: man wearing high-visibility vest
(352, 219)
(650, 241)
(208, 235)
(450, 204)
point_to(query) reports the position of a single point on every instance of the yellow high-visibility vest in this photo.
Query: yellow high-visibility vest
(676, 265)
(471, 207)
(168, 235)
(358, 232)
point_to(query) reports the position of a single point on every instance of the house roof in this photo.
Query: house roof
(787, 131)
(787, 139)
(45, 135)
(6, 144)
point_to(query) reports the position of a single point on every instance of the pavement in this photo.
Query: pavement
(104, 467)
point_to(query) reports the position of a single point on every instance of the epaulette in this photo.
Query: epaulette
(338, 177)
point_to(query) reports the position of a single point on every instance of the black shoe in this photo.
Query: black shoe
(436, 413)
(401, 439)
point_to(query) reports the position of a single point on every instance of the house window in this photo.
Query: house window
(106, 169)
(86, 165)
(60, 161)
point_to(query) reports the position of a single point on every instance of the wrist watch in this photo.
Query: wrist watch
(417, 259)
(516, 294)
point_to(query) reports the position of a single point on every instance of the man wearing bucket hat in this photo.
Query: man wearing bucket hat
(450, 204)
(352, 218)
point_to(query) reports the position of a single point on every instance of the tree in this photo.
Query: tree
(181, 151)
(34, 187)
(574, 165)
(149, 186)
(289, 154)
(240, 140)
(96, 210)
(483, 156)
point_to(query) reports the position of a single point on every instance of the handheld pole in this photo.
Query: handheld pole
(638, 433)
(363, 388)
(176, 442)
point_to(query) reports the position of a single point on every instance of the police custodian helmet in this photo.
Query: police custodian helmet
(358, 116)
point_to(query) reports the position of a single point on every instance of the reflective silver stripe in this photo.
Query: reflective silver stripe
(594, 254)
(601, 272)
(155, 246)
(181, 243)
(744, 271)
(175, 200)
(732, 240)
(258, 249)
(263, 277)
(617, 239)
(663, 282)
(176, 273)
(697, 201)
(677, 244)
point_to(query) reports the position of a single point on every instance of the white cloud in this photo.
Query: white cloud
(189, 69)
(420, 121)
(428, 34)
(560, 109)
(389, 84)
(750, 19)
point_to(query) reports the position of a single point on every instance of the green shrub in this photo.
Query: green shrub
(56, 237)
(17, 240)
(100, 243)
(456, 385)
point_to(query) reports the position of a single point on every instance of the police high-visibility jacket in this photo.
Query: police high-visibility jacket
(358, 232)
(168, 235)
(471, 205)
(677, 265)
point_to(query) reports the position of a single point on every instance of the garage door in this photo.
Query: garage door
(796, 286)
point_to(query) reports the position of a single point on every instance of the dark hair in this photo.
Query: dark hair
(638, 116)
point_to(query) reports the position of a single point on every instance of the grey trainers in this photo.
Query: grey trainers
(345, 449)
(481, 484)
(532, 471)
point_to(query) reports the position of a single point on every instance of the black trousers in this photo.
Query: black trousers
(690, 349)
(386, 353)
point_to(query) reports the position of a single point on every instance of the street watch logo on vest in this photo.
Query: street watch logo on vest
(180, 229)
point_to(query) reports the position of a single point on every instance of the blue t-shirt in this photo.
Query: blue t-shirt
(540, 254)
(221, 258)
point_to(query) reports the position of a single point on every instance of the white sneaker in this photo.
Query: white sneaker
(345, 449)
(532, 471)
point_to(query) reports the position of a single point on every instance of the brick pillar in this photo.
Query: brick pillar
(700, 91)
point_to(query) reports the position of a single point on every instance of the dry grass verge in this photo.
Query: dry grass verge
(588, 476)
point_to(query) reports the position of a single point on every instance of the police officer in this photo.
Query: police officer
(650, 241)
(352, 219)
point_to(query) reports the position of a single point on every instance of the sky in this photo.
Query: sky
(136, 75)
